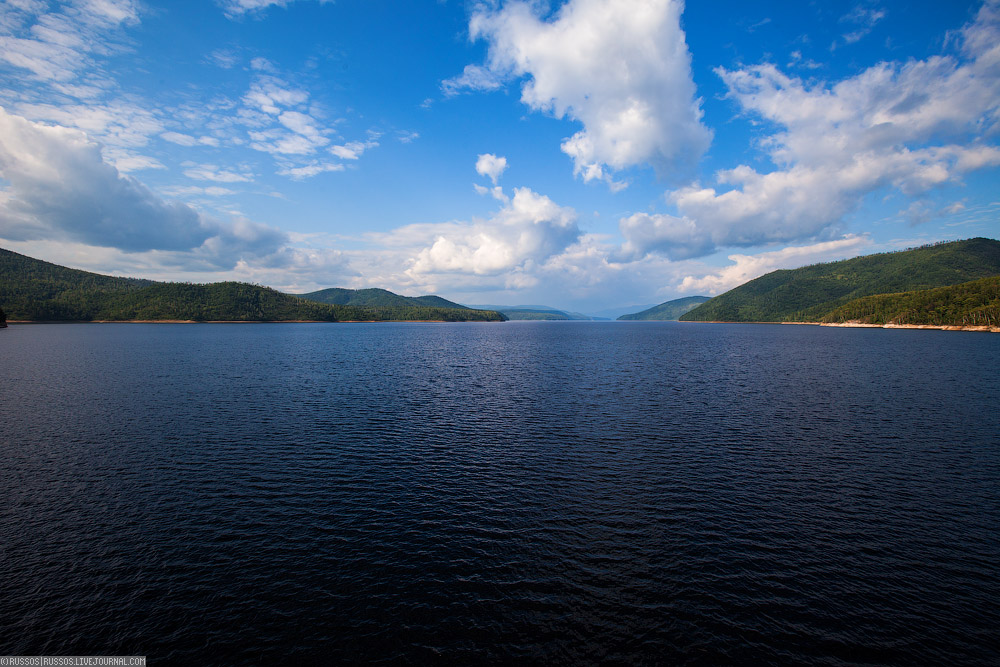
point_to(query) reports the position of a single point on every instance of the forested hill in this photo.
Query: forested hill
(536, 312)
(670, 310)
(34, 290)
(971, 304)
(376, 298)
(810, 293)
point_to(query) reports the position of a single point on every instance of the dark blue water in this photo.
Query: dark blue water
(556, 493)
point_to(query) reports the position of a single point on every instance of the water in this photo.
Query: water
(557, 493)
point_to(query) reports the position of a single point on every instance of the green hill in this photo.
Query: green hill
(810, 293)
(535, 314)
(530, 312)
(34, 290)
(437, 302)
(975, 303)
(670, 310)
(376, 298)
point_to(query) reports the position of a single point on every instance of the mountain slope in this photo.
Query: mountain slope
(532, 312)
(809, 293)
(34, 290)
(669, 310)
(376, 298)
(975, 303)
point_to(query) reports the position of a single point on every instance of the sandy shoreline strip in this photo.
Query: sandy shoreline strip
(862, 325)
(937, 327)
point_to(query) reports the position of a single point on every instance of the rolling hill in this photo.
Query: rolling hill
(34, 290)
(810, 293)
(971, 304)
(546, 313)
(376, 298)
(668, 311)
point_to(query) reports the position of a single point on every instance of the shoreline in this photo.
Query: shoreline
(861, 325)
(935, 327)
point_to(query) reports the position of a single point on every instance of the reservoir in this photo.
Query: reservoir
(525, 492)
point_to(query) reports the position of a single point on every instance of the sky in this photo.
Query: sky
(586, 154)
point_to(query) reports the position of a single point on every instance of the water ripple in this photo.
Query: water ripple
(549, 493)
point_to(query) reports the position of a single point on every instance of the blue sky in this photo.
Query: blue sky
(587, 154)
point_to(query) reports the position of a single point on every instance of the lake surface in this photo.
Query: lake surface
(530, 492)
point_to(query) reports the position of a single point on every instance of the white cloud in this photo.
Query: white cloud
(922, 210)
(309, 170)
(129, 162)
(496, 192)
(269, 94)
(238, 8)
(353, 150)
(121, 123)
(282, 121)
(491, 166)
(61, 184)
(193, 190)
(670, 236)
(748, 267)
(188, 140)
(474, 78)
(211, 172)
(60, 188)
(527, 230)
(621, 67)
(865, 19)
(304, 126)
(224, 58)
(906, 127)
(56, 46)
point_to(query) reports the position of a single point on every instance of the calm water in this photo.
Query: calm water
(556, 493)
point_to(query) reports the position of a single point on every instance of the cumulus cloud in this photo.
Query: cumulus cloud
(60, 187)
(620, 67)
(123, 127)
(491, 166)
(528, 229)
(906, 127)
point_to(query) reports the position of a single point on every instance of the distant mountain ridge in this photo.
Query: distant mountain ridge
(667, 311)
(376, 298)
(810, 293)
(537, 313)
(35, 290)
